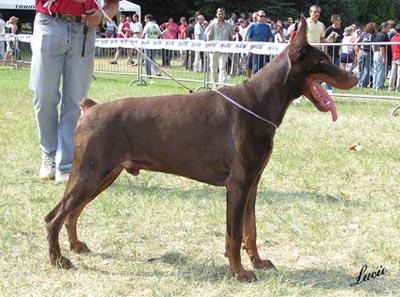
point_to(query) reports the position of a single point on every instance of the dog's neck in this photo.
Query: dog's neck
(269, 90)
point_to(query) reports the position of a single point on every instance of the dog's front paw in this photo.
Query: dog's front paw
(245, 276)
(263, 264)
(79, 247)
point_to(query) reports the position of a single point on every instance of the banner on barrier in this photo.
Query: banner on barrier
(241, 47)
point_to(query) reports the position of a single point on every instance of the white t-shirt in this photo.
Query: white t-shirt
(136, 27)
(151, 31)
(243, 32)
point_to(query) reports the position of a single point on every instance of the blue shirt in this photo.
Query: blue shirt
(259, 32)
(199, 30)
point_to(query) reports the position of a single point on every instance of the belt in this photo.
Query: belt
(68, 18)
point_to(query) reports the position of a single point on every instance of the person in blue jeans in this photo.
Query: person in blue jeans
(150, 31)
(259, 31)
(62, 55)
(381, 53)
(365, 56)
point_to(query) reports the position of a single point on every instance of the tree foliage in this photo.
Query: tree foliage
(360, 11)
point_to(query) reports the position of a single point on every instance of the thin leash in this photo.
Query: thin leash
(187, 88)
(142, 53)
(246, 109)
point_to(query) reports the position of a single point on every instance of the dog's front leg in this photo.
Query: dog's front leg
(237, 194)
(250, 232)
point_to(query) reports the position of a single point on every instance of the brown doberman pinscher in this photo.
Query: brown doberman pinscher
(200, 136)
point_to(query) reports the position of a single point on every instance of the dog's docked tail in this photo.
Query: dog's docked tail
(85, 104)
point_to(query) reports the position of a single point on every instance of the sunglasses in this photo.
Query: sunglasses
(262, 16)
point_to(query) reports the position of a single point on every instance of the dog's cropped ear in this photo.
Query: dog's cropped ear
(299, 43)
(85, 104)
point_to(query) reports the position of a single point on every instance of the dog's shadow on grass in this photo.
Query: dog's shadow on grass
(334, 278)
(187, 268)
(263, 195)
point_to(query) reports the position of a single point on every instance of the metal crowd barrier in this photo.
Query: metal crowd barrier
(190, 60)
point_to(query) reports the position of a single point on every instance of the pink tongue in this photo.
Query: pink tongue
(324, 100)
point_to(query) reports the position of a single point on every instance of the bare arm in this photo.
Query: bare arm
(382, 50)
(94, 16)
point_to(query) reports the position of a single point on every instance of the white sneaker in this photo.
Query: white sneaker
(48, 167)
(61, 177)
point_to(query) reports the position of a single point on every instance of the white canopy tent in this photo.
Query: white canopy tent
(126, 6)
(17, 5)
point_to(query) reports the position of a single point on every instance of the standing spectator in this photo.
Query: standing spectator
(110, 29)
(129, 35)
(124, 29)
(279, 36)
(12, 28)
(189, 34)
(136, 29)
(348, 55)
(334, 34)
(219, 29)
(2, 31)
(243, 28)
(151, 31)
(234, 59)
(173, 27)
(181, 35)
(165, 53)
(182, 28)
(380, 56)
(364, 55)
(315, 29)
(259, 31)
(394, 83)
(199, 34)
(57, 53)
(253, 19)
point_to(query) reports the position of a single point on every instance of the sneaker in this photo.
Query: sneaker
(113, 62)
(48, 167)
(61, 177)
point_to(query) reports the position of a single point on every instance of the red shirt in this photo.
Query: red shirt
(167, 35)
(124, 30)
(66, 7)
(396, 47)
(172, 27)
(181, 31)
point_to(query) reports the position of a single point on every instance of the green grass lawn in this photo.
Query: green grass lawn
(323, 211)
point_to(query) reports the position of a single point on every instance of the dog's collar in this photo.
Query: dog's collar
(246, 109)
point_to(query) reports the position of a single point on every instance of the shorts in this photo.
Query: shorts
(346, 58)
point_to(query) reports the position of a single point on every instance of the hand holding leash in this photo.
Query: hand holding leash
(92, 17)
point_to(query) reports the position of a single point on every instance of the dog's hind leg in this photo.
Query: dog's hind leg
(237, 193)
(82, 187)
(250, 232)
(70, 223)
